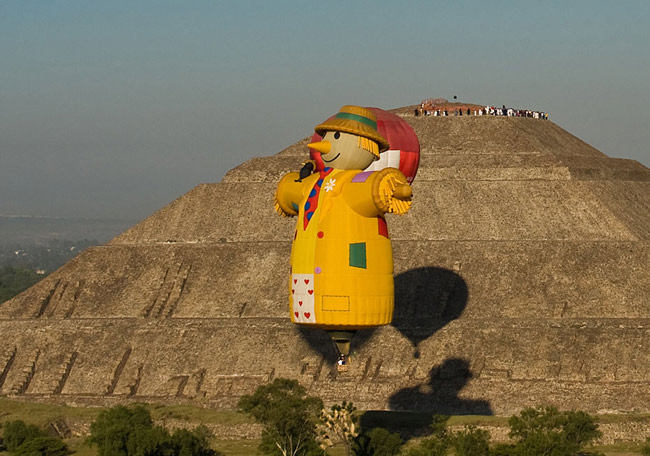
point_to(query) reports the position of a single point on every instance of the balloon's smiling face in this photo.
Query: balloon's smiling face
(344, 152)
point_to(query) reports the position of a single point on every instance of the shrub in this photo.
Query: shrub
(192, 443)
(339, 424)
(122, 431)
(545, 430)
(377, 442)
(112, 428)
(28, 440)
(149, 442)
(471, 442)
(157, 441)
(438, 443)
(42, 446)
(18, 432)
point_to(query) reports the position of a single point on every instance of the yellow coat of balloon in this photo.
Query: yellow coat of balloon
(341, 258)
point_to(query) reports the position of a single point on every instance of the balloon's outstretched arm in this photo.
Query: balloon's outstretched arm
(385, 191)
(288, 195)
(392, 193)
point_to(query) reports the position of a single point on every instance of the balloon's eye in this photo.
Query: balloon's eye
(337, 135)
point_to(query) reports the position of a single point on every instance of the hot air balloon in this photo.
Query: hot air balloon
(341, 259)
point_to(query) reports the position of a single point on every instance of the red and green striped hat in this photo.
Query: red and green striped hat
(356, 120)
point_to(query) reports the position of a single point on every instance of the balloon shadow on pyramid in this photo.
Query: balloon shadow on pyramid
(440, 394)
(426, 299)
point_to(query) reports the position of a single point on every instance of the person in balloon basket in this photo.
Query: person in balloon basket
(341, 258)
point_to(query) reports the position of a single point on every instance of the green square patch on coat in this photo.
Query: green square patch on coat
(358, 255)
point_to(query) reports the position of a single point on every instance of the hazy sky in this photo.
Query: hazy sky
(115, 108)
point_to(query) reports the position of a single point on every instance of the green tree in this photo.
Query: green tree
(471, 441)
(547, 431)
(112, 428)
(16, 433)
(42, 446)
(377, 442)
(122, 431)
(151, 441)
(23, 439)
(438, 443)
(192, 443)
(157, 441)
(288, 415)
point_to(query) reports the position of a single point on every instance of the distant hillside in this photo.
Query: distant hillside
(27, 229)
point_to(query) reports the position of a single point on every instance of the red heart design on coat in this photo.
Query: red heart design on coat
(310, 291)
(293, 291)
(295, 280)
(296, 314)
(307, 315)
(300, 303)
(306, 281)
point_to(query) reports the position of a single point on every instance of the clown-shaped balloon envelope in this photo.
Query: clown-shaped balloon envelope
(341, 257)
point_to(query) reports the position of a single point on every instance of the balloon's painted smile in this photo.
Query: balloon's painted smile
(329, 161)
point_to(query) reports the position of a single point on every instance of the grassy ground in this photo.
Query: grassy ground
(621, 449)
(43, 414)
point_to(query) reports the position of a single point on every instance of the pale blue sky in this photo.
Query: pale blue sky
(113, 109)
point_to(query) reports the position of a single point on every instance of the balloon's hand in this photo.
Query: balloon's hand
(393, 193)
(281, 211)
(403, 192)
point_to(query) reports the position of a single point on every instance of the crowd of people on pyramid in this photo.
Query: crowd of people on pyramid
(424, 110)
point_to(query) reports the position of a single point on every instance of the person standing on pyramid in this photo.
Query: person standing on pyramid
(341, 258)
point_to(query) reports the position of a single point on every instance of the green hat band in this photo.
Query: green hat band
(358, 118)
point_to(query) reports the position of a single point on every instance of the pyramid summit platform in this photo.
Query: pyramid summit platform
(521, 277)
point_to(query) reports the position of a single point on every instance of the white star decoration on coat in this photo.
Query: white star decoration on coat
(329, 186)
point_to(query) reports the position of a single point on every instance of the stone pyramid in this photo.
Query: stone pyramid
(521, 278)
